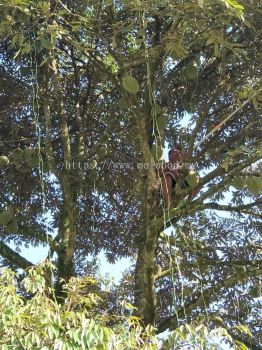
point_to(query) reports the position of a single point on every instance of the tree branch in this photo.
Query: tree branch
(205, 298)
(210, 262)
(240, 208)
(14, 257)
(189, 208)
(219, 126)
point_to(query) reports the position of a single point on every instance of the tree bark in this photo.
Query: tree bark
(145, 296)
(67, 225)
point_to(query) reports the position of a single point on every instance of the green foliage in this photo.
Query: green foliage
(46, 43)
(37, 321)
(198, 336)
(68, 83)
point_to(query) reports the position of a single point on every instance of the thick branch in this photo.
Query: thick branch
(221, 124)
(48, 128)
(67, 229)
(14, 257)
(210, 262)
(239, 209)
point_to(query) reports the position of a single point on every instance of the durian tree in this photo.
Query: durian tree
(92, 92)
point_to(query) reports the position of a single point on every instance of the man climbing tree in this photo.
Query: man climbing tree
(176, 172)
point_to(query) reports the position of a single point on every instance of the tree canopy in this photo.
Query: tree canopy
(92, 93)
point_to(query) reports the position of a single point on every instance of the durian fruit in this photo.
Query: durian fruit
(162, 122)
(102, 151)
(4, 161)
(46, 167)
(238, 182)
(254, 185)
(12, 226)
(157, 152)
(123, 103)
(256, 290)
(156, 109)
(93, 175)
(192, 179)
(130, 84)
(18, 154)
(178, 188)
(101, 187)
(6, 216)
(190, 71)
(31, 157)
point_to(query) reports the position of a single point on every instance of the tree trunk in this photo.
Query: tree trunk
(67, 233)
(67, 224)
(145, 296)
